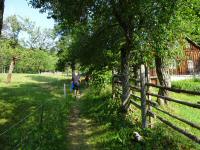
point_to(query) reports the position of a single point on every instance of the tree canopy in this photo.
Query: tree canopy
(34, 56)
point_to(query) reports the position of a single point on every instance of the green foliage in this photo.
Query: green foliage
(100, 80)
(28, 60)
(36, 61)
(189, 18)
(36, 56)
(38, 38)
(12, 29)
(97, 33)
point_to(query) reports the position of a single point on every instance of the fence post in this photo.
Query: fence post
(143, 96)
(64, 90)
(113, 88)
(148, 80)
(113, 84)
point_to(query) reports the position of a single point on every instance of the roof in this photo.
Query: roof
(192, 42)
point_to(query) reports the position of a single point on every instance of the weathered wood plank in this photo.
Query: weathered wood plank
(179, 118)
(143, 97)
(189, 135)
(139, 98)
(135, 104)
(176, 100)
(118, 82)
(174, 89)
(135, 88)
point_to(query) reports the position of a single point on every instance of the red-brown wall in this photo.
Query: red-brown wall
(191, 53)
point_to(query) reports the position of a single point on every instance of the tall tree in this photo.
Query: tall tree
(129, 16)
(37, 38)
(1, 13)
(12, 29)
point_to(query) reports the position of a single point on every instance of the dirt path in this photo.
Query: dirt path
(79, 130)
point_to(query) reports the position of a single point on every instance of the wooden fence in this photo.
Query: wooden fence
(147, 103)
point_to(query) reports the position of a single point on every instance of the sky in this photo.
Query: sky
(21, 8)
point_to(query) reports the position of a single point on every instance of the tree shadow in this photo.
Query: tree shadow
(18, 101)
(108, 123)
(112, 130)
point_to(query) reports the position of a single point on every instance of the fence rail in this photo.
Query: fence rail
(146, 104)
(174, 89)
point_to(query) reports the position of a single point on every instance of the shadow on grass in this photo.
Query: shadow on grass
(108, 125)
(46, 130)
(112, 131)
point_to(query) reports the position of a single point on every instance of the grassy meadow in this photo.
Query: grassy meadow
(106, 127)
(24, 96)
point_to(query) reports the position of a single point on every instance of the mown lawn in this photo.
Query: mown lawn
(25, 95)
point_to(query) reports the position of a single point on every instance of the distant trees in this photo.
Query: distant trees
(33, 57)
(12, 28)
(37, 61)
(38, 38)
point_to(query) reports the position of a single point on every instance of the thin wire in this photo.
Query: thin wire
(19, 122)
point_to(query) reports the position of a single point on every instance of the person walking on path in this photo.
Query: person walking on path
(76, 83)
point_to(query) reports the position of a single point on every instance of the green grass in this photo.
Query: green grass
(110, 129)
(189, 84)
(22, 97)
(115, 131)
(185, 112)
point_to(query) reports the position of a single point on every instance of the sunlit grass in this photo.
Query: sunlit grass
(183, 111)
(23, 96)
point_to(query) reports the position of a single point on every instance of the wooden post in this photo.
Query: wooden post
(143, 97)
(64, 90)
(113, 89)
(113, 85)
(148, 80)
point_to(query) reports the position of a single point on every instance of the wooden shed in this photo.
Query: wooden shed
(189, 65)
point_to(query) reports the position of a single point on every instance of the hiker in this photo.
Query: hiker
(76, 83)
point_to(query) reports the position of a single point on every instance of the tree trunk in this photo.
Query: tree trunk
(163, 79)
(136, 73)
(125, 54)
(11, 68)
(1, 14)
